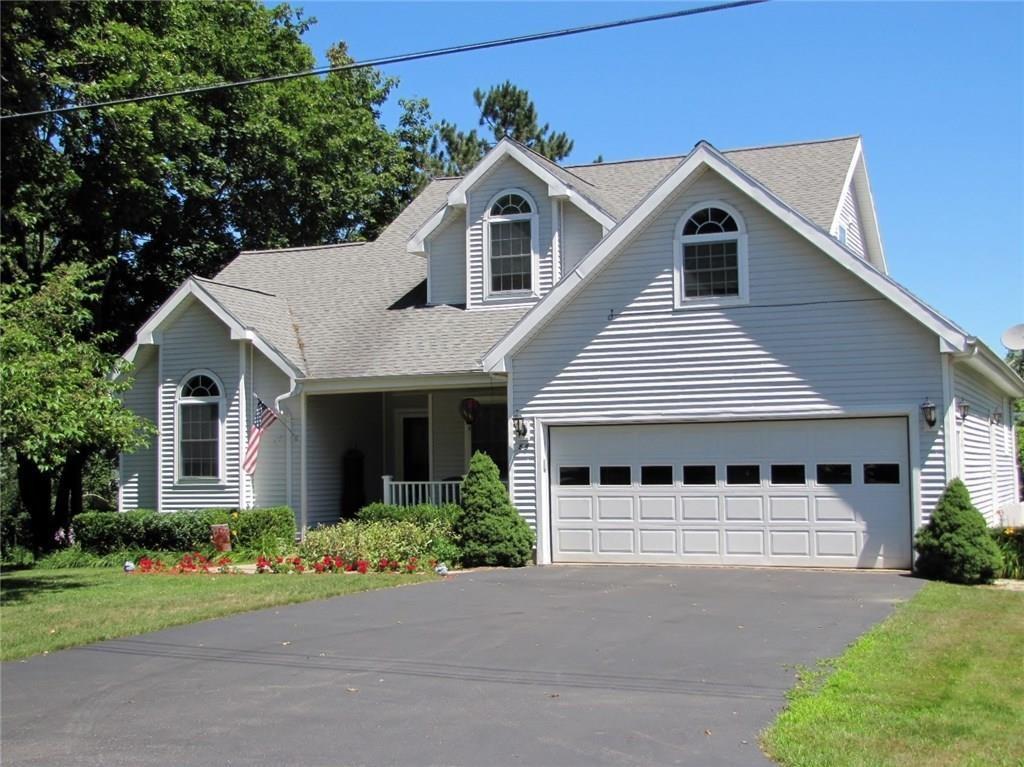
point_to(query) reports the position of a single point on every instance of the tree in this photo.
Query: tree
(505, 110)
(60, 393)
(492, 532)
(176, 186)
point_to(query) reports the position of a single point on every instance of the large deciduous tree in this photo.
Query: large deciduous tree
(60, 393)
(176, 186)
(505, 110)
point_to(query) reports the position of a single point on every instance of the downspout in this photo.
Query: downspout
(295, 389)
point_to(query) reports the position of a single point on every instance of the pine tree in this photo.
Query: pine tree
(955, 545)
(492, 532)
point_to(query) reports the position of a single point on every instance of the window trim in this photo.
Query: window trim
(533, 217)
(180, 478)
(679, 240)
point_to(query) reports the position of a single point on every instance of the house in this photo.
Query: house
(693, 359)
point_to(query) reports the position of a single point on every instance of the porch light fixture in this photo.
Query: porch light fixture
(996, 418)
(519, 427)
(928, 411)
(962, 408)
(468, 409)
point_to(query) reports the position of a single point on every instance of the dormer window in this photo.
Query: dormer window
(710, 257)
(511, 237)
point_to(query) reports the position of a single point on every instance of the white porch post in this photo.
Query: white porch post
(387, 488)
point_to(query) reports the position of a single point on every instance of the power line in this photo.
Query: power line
(429, 54)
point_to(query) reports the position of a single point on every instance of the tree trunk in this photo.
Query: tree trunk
(34, 488)
(69, 491)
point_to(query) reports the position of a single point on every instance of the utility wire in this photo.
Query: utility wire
(429, 54)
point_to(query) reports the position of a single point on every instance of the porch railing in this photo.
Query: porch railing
(412, 493)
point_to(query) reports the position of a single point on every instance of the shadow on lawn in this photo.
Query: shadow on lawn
(19, 588)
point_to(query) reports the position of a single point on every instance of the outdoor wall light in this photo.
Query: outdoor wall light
(519, 427)
(928, 411)
(962, 408)
(468, 409)
(996, 417)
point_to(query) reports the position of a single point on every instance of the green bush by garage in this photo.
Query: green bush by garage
(956, 544)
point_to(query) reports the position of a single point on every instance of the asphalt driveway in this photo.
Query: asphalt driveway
(544, 666)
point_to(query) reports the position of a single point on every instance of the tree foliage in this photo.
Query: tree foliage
(491, 530)
(176, 186)
(955, 545)
(505, 110)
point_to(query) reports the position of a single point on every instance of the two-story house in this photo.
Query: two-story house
(693, 359)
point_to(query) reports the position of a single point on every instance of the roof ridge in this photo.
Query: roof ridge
(307, 247)
(236, 287)
(723, 151)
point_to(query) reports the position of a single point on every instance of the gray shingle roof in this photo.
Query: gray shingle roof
(356, 310)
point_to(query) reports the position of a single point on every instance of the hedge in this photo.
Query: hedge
(104, 532)
(421, 514)
(373, 541)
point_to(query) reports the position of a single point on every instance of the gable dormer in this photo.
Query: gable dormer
(500, 238)
(855, 224)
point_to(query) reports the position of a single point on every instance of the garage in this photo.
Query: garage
(819, 493)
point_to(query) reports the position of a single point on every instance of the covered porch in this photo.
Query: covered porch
(404, 446)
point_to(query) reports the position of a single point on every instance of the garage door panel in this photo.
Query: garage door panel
(614, 507)
(832, 512)
(658, 542)
(744, 542)
(657, 508)
(615, 541)
(700, 542)
(700, 508)
(574, 508)
(743, 509)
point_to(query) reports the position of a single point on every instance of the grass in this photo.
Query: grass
(938, 684)
(47, 610)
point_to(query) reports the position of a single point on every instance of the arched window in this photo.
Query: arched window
(200, 405)
(710, 256)
(511, 223)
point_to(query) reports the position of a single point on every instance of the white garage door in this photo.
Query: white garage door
(825, 493)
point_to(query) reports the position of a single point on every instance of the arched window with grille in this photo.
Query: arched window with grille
(200, 412)
(710, 256)
(511, 238)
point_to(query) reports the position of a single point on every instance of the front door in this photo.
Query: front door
(415, 448)
(490, 434)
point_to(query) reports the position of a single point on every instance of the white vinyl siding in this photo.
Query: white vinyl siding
(138, 469)
(580, 233)
(850, 219)
(508, 174)
(197, 340)
(986, 449)
(447, 254)
(338, 423)
(268, 485)
(813, 341)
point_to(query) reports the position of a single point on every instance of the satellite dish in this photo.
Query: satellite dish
(1013, 338)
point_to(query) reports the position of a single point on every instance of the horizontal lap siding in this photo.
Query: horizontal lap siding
(813, 341)
(448, 263)
(850, 218)
(198, 340)
(506, 175)
(986, 450)
(138, 470)
(580, 233)
(269, 482)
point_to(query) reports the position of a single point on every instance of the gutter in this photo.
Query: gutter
(983, 360)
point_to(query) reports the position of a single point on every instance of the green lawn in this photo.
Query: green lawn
(938, 684)
(46, 610)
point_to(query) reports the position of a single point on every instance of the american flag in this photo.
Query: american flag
(262, 419)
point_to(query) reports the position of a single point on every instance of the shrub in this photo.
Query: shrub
(491, 532)
(103, 532)
(1010, 542)
(74, 556)
(355, 541)
(956, 545)
(421, 514)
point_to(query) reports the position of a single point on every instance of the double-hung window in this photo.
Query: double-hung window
(711, 257)
(512, 241)
(200, 404)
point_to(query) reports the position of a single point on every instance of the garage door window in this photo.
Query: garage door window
(616, 475)
(835, 474)
(699, 475)
(881, 474)
(788, 474)
(573, 476)
(743, 474)
(655, 475)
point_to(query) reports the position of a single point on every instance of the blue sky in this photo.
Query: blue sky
(935, 89)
